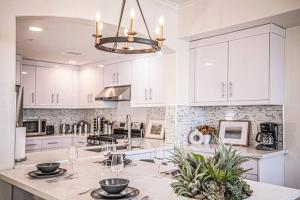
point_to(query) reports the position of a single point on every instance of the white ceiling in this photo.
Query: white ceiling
(60, 35)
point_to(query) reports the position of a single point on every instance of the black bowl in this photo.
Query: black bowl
(114, 185)
(48, 167)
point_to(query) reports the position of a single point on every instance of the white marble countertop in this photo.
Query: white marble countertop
(141, 176)
(245, 151)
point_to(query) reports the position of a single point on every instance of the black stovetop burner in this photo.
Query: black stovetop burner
(108, 139)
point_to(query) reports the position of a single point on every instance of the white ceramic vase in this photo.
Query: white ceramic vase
(207, 139)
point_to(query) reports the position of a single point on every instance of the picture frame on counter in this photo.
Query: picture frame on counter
(235, 132)
(155, 129)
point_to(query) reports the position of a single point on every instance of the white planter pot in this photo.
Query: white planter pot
(207, 139)
(176, 197)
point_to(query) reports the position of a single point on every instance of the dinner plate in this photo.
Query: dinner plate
(129, 192)
(39, 173)
(33, 174)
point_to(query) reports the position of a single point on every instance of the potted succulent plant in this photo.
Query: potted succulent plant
(214, 178)
(207, 132)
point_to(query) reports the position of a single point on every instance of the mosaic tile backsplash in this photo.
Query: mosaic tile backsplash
(190, 117)
(179, 120)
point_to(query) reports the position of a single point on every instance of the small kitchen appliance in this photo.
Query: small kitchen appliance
(64, 128)
(50, 130)
(35, 127)
(268, 136)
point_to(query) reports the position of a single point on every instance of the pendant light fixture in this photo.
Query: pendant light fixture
(124, 44)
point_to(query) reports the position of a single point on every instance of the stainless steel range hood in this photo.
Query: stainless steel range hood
(117, 93)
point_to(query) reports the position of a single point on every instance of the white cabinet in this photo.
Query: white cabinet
(117, 74)
(90, 84)
(140, 83)
(211, 64)
(249, 68)
(240, 68)
(28, 82)
(55, 143)
(150, 79)
(33, 145)
(18, 69)
(54, 87)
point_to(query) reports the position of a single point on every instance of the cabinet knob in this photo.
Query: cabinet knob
(57, 98)
(32, 98)
(117, 77)
(145, 94)
(150, 94)
(52, 98)
(114, 77)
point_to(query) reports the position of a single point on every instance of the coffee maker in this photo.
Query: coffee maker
(268, 136)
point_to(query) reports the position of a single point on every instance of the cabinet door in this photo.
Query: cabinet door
(28, 82)
(140, 84)
(110, 76)
(211, 64)
(96, 83)
(84, 89)
(64, 87)
(45, 86)
(249, 68)
(158, 67)
(18, 72)
(123, 74)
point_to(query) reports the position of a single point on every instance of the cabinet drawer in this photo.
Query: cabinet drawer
(52, 143)
(251, 164)
(67, 142)
(250, 177)
(33, 145)
(79, 142)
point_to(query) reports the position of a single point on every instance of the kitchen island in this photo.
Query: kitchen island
(142, 175)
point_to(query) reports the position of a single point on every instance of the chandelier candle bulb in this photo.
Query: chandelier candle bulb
(126, 35)
(161, 26)
(157, 31)
(132, 15)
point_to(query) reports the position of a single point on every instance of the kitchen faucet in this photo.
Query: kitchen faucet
(128, 126)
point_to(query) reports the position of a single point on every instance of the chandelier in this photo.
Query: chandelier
(123, 44)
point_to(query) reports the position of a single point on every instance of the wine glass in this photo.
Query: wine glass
(159, 156)
(117, 163)
(72, 157)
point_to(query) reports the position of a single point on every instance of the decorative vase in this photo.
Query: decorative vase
(207, 139)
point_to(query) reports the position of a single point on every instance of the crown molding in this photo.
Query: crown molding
(177, 6)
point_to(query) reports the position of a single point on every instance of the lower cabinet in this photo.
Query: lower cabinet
(45, 144)
(267, 170)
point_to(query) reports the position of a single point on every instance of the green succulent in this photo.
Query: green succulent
(213, 178)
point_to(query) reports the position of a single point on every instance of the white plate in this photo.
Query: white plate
(196, 137)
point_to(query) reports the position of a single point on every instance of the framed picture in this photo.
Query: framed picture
(235, 132)
(155, 129)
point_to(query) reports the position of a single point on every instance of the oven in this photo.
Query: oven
(35, 127)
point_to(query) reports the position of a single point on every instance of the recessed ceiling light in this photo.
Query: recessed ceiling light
(56, 66)
(209, 64)
(72, 62)
(101, 66)
(34, 28)
(24, 73)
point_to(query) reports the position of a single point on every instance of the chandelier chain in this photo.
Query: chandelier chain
(138, 3)
(120, 21)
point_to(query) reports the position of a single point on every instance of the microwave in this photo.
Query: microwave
(35, 127)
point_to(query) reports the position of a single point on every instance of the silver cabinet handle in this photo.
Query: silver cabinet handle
(32, 97)
(88, 98)
(145, 94)
(223, 89)
(30, 145)
(57, 99)
(230, 88)
(117, 77)
(81, 142)
(52, 98)
(114, 77)
(150, 94)
(52, 142)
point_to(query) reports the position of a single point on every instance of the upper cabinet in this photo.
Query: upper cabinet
(117, 74)
(28, 82)
(152, 80)
(90, 83)
(240, 68)
(63, 86)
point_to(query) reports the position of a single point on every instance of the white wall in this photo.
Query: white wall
(207, 15)
(60, 8)
(292, 108)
